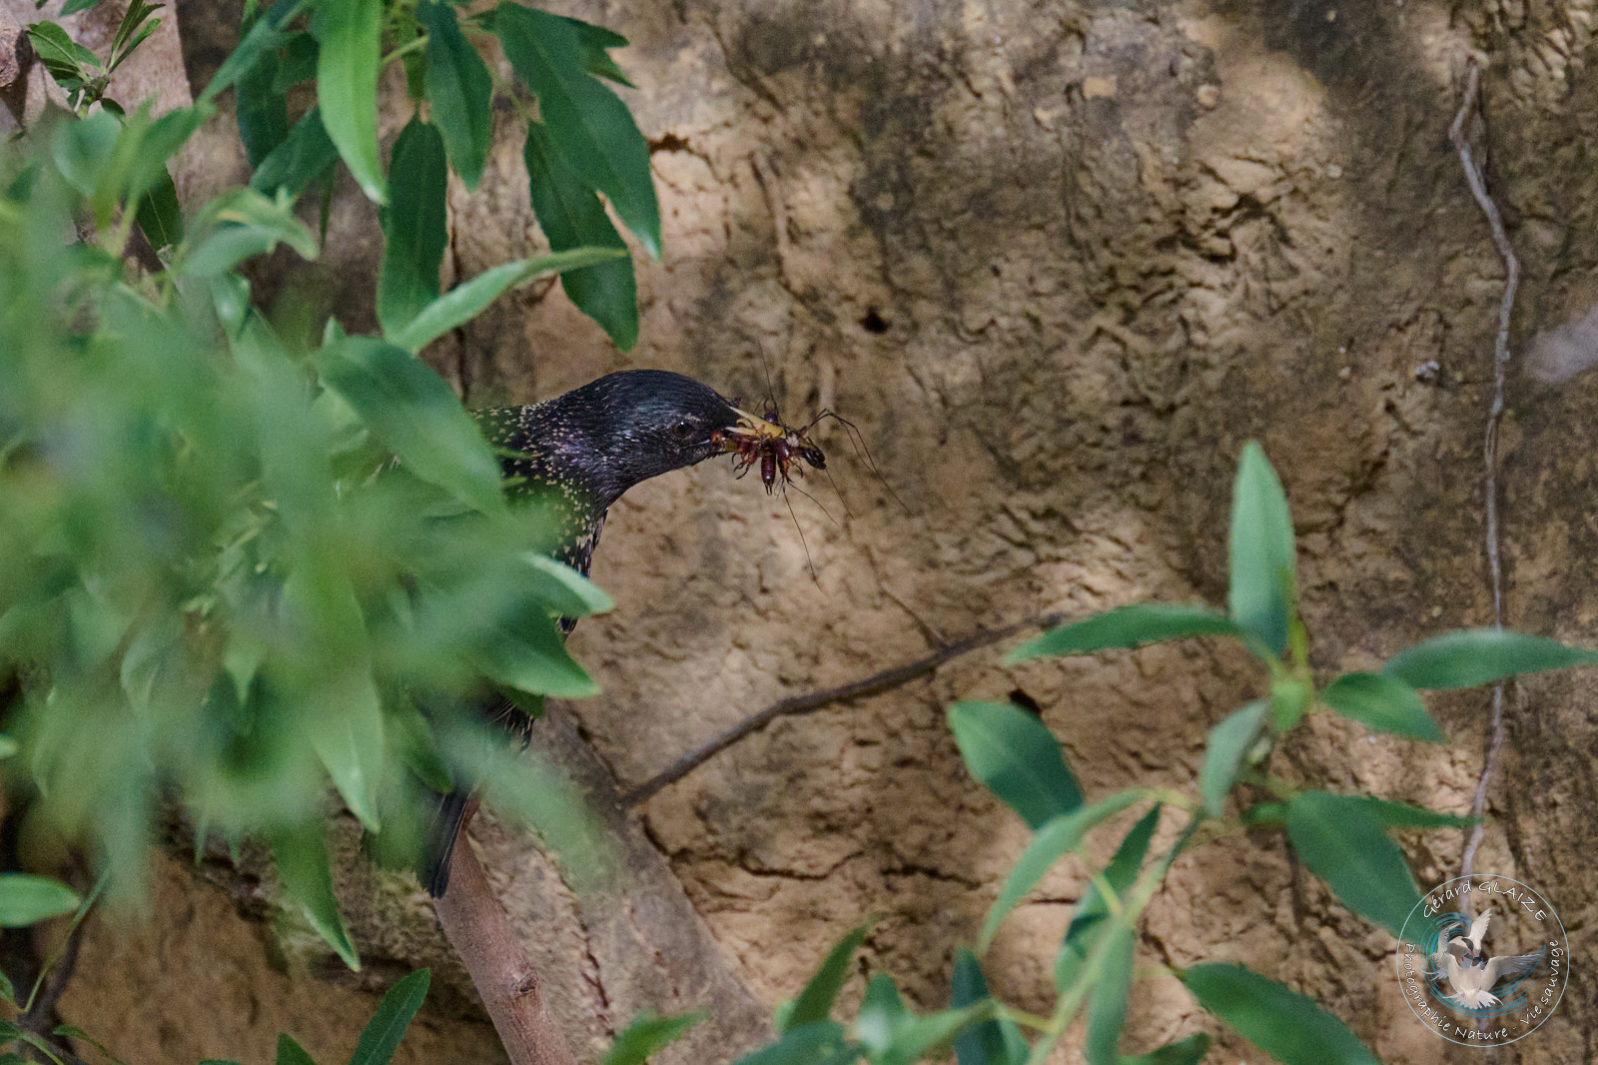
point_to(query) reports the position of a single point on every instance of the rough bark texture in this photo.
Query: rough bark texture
(1057, 261)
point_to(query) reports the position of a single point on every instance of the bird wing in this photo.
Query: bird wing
(1478, 930)
(1506, 965)
(1448, 965)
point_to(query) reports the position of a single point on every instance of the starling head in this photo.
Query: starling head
(630, 426)
(593, 443)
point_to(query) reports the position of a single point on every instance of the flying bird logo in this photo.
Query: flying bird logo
(1470, 975)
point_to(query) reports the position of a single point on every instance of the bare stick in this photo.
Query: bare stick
(810, 702)
(1469, 107)
(476, 926)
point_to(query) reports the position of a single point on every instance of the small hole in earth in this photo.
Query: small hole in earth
(1026, 702)
(873, 322)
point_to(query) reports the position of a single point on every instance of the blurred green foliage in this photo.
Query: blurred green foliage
(237, 567)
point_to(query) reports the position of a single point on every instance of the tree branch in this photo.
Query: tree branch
(795, 705)
(475, 924)
(1470, 107)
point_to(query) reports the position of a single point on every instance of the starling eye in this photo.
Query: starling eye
(684, 429)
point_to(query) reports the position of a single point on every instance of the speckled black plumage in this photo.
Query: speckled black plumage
(578, 453)
(583, 449)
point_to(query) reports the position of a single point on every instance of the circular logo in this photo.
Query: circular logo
(1483, 960)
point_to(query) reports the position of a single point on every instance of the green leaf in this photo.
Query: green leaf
(26, 900)
(1050, 843)
(82, 150)
(146, 146)
(1403, 815)
(1189, 1051)
(67, 61)
(1265, 813)
(1017, 757)
(349, 36)
(572, 217)
(346, 733)
(262, 109)
(414, 743)
(302, 157)
(524, 650)
(1471, 657)
(1262, 553)
(239, 225)
(1291, 698)
(301, 857)
(7, 991)
(415, 414)
(1087, 923)
(135, 27)
(79, 1034)
(1383, 703)
(648, 1033)
(593, 44)
(467, 300)
(588, 126)
(542, 796)
(1107, 1012)
(144, 32)
(918, 1036)
(882, 1015)
(291, 1053)
(567, 593)
(414, 227)
(1285, 1024)
(384, 1031)
(72, 7)
(299, 61)
(8, 745)
(1230, 740)
(128, 30)
(995, 1041)
(459, 91)
(264, 36)
(820, 1043)
(1127, 627)
(1342, 841)
(159, 214)
(814, 1003)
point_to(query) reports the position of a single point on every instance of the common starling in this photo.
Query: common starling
(578, 453)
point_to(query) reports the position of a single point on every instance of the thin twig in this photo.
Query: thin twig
(810, 702)
(41, 1018)
(1469, 107)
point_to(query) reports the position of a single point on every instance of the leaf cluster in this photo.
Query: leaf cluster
(581, 146)
(239, 567)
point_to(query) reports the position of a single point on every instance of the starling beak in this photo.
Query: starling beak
(579, 452)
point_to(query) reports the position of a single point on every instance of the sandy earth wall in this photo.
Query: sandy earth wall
(1057, 261)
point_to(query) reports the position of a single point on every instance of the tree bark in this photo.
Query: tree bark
(477, 928)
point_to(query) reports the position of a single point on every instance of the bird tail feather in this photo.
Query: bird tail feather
(442, 836)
